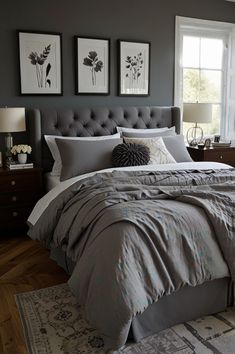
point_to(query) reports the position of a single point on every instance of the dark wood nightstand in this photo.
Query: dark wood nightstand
(218, 154)
(19, 191)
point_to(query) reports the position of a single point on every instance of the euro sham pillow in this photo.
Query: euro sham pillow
(176, 147)
(158, 151)
(50, 140)
(84, 156)
(146, 133)
(124, 155)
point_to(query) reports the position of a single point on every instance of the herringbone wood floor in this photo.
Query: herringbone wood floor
(24, 266)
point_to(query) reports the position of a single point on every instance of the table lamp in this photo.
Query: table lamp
(196, 113)
(11, 120)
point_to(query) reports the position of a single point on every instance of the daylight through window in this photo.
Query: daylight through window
(203, 76)
(202, 56)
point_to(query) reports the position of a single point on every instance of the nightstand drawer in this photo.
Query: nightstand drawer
(18, 197)
(220, 155)
(11, 214)
(19, 182)
(19, 192)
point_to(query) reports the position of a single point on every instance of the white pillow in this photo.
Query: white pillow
(50, 140)
(146, 130)
(124, 130)
(148, 133)
(158, 151)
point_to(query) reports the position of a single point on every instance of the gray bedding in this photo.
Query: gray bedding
(137, 236)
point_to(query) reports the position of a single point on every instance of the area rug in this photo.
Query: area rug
(53, 324)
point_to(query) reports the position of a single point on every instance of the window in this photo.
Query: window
(202, 70)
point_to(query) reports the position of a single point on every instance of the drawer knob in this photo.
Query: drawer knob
(14, 198)
(221, 157)
(13, 183)
(14, 213)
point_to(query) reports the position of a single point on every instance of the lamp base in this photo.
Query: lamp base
(8, 144)
(194, 135)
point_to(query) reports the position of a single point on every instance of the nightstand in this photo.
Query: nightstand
(19, 191)
(218, 154)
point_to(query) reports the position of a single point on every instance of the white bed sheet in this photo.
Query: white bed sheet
(59, 188)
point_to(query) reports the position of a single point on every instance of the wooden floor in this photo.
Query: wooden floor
(24, 266)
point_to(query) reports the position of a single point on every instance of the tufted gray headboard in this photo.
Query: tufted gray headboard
(91, 122)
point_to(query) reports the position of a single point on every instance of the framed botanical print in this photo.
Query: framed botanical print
(40, 63)
(92, 61)
(134, 68)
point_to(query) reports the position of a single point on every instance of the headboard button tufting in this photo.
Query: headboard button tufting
(93, 121)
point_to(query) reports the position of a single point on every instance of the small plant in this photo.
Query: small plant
(134, 66)
(95, 65)
(21, 149)
(38, 61)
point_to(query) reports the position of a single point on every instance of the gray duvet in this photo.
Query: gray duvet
(136, 236)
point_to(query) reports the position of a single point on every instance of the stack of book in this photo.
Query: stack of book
(14, 165)
(222, 143)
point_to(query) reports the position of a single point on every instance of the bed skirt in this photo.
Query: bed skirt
(184, 305)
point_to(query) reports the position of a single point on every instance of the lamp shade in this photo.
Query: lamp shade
(12, 120)
(197, 112)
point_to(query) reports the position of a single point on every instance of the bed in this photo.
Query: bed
(211, 295)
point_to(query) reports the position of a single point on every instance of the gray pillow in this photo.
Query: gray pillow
(176, 147)
(79, 157)
(149, 134)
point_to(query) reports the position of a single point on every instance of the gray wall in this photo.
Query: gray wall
(150, 20)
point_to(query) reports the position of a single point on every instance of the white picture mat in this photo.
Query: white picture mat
(101, 47)
(34, 42)
(132, 49)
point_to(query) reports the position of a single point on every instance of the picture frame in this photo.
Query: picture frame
(92, 65)
(208, 143)
(40, 61)
(134, 68)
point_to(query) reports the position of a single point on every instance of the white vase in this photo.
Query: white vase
(22, 158)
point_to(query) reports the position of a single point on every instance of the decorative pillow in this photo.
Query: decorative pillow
(146, 133)
(84, 156)
(50, 140)
(176, 147)
(130, 155)
(158, 151)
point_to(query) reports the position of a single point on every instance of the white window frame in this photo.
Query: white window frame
(209, 29)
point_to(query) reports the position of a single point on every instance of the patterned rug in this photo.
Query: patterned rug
(53, 324)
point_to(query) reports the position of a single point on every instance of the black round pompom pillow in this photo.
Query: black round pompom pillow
(130, 155)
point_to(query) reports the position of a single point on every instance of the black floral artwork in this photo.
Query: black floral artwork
(134, 67)
(38, 61)
(95, 65)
